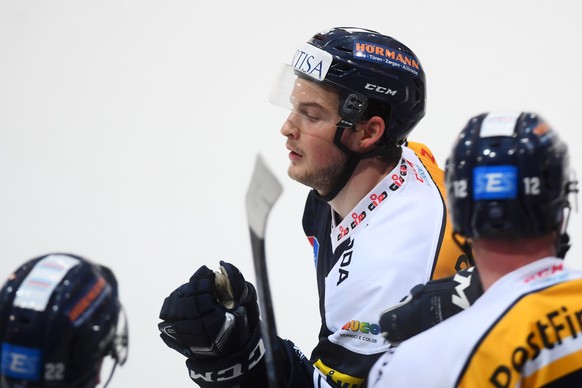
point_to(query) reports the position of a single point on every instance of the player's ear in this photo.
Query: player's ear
(372, 131)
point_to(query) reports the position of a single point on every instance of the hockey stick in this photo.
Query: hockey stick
(263, 191)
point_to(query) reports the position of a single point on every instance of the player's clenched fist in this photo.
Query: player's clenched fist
(212, 316)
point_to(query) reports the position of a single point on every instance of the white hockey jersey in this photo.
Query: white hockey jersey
(396, 237)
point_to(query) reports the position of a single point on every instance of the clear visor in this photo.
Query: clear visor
(310, 101)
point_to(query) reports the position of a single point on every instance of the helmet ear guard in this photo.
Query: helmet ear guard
(118, 349)
(351, 109)
(564, 239)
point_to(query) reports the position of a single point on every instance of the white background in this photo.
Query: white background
(129, 129)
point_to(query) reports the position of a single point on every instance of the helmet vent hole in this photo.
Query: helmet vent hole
(415, 106)
(418, 91)
(495, 144)
(340, 68)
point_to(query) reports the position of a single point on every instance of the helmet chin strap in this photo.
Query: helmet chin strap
(351, 164)
(563, 245)
(563, 241)
(350, 110)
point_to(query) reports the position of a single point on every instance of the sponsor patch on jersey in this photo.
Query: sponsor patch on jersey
(494, 182)
(548, 274)
(387, 56)
(361, 327)
(369, 204)
(21, 362)
(541, 341)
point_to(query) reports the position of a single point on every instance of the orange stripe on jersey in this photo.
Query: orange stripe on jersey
(540, 336)
(451, 258)
(423, 153)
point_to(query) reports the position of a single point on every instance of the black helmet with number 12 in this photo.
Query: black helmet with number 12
(509, 176)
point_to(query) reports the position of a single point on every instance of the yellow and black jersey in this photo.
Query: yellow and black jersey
(525, 331)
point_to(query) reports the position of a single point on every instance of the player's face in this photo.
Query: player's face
(310, 129)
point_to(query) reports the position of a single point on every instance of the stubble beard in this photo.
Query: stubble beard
(321, 179)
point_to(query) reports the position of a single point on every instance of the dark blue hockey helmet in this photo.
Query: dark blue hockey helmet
(368, 69)
(508, 176)
(60, 315)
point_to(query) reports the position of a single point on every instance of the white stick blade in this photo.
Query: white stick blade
(264, 190)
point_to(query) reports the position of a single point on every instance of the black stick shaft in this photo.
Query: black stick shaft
(268, 326)
(262, 193)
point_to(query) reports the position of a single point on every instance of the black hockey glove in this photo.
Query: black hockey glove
(429, 304)
(214, 321)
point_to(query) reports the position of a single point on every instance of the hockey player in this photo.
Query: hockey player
(376, 218)
(60, 316)
(508, 181)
